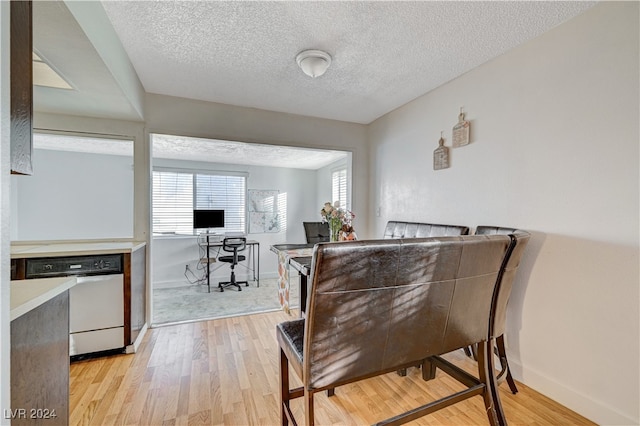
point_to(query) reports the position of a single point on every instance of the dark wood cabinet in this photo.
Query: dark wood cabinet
(40, 365)
(21, 46)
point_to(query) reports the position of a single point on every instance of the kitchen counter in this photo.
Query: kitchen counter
(72, 248)
(26, 295)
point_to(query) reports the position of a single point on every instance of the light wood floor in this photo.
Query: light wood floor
(226, 372)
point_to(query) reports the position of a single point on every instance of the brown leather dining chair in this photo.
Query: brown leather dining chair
(380, 305)
(398, 229)
(508, 273)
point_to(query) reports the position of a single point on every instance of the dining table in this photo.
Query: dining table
(302, 264)
(285, 253)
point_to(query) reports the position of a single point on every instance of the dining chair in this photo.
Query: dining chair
(316, 232)
(502, 297)
(367, 316)
(399, 229)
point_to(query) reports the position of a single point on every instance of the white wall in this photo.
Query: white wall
(172, 253)
(555, 150)
(119, 129)
(73, 195)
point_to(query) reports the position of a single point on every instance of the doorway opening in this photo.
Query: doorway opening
(267, 191)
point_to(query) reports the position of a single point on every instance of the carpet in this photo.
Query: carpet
(192, 303)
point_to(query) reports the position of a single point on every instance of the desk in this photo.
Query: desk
(205, 241)
(303, 266)
(285, 252)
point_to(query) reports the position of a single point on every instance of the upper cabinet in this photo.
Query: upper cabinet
(21, 87)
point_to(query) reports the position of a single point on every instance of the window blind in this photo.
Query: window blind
(339, 187)
(172, 203)
(177, 194)
(225, 193)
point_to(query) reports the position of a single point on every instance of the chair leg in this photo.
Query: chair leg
(403, 371)
(284, 388)
(502, 354)
(471, 351)
(308, 408)
(486, 375)
(428, 370)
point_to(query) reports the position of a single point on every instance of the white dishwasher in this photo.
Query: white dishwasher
(96, 302)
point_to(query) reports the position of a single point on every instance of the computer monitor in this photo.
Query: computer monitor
(205, 219)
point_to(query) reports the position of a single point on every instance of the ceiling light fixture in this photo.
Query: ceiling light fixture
(313, 63)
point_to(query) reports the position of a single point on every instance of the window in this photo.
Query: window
(339, 187)
(219, 192)
(172, 203)
(177, 194)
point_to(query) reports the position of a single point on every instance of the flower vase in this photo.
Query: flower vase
(334, 230)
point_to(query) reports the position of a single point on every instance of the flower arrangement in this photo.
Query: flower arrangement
(339, 219)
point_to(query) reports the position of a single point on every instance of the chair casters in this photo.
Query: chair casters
(223, 284)
(233, 282)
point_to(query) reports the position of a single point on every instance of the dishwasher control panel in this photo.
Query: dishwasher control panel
(75, 265)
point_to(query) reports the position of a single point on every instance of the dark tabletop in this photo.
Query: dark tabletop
(284, 247)
(301, 264)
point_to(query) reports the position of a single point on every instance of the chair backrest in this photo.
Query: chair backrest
(520, 239)
(316, 232)
(234, 244)
(379, 304)
(396, 229)
(494, 230)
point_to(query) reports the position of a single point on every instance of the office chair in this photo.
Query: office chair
(233, 245)
(316, 232)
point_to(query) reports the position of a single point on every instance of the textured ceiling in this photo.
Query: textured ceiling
(195, 149)
(86, 144)
(384, 53)
(243, 53)
(217, 151)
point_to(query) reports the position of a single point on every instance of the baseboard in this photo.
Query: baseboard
(586, 406)
(130, 349)
(268, 275)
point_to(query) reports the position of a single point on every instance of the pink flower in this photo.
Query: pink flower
(333, 212)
